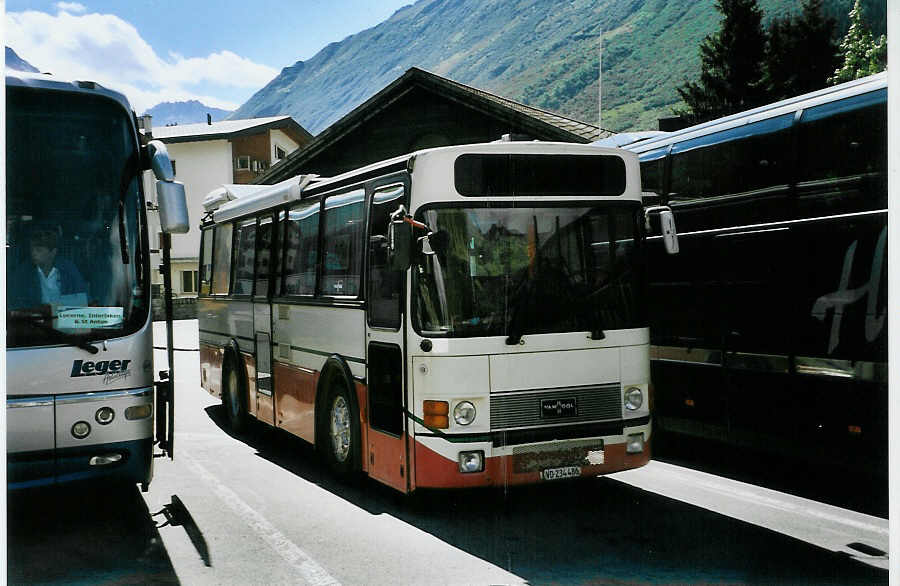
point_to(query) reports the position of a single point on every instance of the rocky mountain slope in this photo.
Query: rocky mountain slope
(544, 53)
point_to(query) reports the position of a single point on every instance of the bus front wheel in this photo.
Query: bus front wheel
(341, 433)
(233, 398)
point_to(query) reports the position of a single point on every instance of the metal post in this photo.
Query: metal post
(166, 267)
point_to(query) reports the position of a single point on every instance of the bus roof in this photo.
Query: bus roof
(829, 94)
(233, 201)
(49, 82)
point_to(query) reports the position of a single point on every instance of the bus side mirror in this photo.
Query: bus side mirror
(170, 195)
(666, 226)
(669, 234)
(399, 245)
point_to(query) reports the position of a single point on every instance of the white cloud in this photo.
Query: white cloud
(109, 50)
(73, 7)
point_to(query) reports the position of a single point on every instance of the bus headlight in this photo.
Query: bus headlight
(634, 398)
(105, 415)
(464, 413)
(81, 429)
(471, 462)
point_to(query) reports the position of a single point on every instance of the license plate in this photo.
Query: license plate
(558, 473)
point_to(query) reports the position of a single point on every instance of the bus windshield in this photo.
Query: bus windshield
(76, 266)
(530, 270)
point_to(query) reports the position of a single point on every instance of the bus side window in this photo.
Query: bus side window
(753, 161)
(221, 261)
(244, 253)
(843, 156)
(652, 165)
(301, 247)
(264, 236)
(206, 246)
(383, 289)
(342, 243)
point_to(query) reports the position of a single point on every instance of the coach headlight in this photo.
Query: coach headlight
(634, 398)
(464, 413)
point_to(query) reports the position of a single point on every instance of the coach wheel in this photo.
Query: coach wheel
(341, 445)
(233, 399)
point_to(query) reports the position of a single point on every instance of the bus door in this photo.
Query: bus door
(262, 320)
(757, 289)
(386, 432)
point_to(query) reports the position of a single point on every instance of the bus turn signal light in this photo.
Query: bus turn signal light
(436, 414)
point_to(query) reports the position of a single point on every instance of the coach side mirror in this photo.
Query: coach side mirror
(170, 195)
(399, 244)
(666, 226)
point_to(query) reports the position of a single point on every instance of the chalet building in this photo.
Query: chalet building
(206, 156)
(423, 110)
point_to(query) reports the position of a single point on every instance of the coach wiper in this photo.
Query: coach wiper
(37, 320)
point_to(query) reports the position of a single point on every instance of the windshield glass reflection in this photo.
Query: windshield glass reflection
(513, 271)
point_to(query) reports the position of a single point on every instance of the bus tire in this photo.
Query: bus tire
(234, 399)
(340, 426)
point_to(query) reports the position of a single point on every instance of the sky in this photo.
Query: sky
(153, 51)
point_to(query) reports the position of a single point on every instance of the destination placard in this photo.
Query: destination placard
(82, 318)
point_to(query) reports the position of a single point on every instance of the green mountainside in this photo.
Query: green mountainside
(544, 53)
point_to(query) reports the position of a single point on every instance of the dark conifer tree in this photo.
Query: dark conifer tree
(801, 52)
(731, 76)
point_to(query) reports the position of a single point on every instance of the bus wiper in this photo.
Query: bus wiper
(37, 320)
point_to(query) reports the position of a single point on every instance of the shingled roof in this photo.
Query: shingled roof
(536, 123)
(229, 129)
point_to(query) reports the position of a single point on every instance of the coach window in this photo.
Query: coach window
(383, 291)
(264, 235)
(342, 244)
(244, 252)
(221, 259)
(842, 151)
(652, 165)
(206, 247)
(300, 249)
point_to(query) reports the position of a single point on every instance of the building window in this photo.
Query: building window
(242, 163)
(189, 281)
(280, 153)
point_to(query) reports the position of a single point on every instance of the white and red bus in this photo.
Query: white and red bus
(457, 317)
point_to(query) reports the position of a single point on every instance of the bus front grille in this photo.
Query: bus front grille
(554, 407)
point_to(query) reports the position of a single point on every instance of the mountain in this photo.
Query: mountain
(13, 61)
(190, 112)
(544, 53)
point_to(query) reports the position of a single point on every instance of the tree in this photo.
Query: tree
(861, 54)
(731, 75)
(801, 52)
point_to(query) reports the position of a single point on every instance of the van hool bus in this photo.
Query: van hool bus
(79, 340)
(458, 317)
(769, 329)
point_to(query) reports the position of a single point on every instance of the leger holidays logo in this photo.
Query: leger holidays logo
(110, 369)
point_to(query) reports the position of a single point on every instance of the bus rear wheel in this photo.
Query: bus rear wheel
(341, 445)
(233, 398)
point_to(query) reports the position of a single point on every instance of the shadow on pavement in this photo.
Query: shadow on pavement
(84, 534)
(595, 531)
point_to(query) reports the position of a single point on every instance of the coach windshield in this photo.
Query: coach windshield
(520, 270)
(75, 252)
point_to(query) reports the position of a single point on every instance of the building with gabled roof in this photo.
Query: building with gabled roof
(423, 110)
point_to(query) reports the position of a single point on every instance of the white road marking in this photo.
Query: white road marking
(312, 572)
